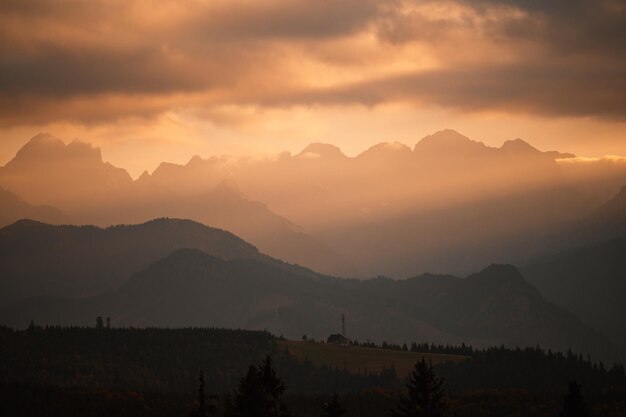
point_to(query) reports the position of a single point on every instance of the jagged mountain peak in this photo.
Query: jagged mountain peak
(519, 145)
(321, 150)
(498, 272)
(447, 140)
(44, 147)
(501, 278)
(45, 137)
(386, 149)
(196, 159)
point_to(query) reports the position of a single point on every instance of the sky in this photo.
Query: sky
(152, 81)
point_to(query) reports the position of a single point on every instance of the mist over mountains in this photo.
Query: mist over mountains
(261, 208)
(13, 208)
(89, 191)
(449, 205)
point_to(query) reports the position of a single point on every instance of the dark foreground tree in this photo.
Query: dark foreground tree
(425, 397)
(574, 402)
(201, 396)
(333, 408)
(259, 394)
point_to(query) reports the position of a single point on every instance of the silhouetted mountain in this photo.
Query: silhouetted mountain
(197, 175)
(12, 208)
(451, 205)
(450, 142)
(591, 282)
(191, 288)
(610, 218)
(603, 223)
(519, 146)
(75, 179)
(447, 143)
(41, 259)
(393, 211)
(508, 228)
(391, 149)
(495, 301)
(225, 207)
(46, 171)
(385, 156)
(321, 150)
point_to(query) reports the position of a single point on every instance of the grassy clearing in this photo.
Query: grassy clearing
(359, 359)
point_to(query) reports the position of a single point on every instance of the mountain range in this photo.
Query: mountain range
(39, 259)
(448, 205)
(178, 273)
(590, 282)
(87, 190)
(191, 288)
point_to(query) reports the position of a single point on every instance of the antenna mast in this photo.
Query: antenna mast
(343, 325)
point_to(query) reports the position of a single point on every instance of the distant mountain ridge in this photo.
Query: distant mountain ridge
(191, 288)
(589, 281)
(610, 218)
(40, 259)
(354, 203)
(46, 171)
(390, 210)
(13, 208)
(74, 178)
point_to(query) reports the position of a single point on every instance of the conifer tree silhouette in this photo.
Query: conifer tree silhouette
(259, 394)
(201, 395)
(425, 397)
(574, 402)
(333, 408)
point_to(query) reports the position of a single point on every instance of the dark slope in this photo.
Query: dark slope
(191, 288)
(41, 259)
(225, 207)
(591, 282)
(608, 220)
(605, 222)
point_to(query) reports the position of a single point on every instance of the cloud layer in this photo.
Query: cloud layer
(101, 60)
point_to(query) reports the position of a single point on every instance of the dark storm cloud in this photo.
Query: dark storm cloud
(65, 72)
(550, 91)
(285, 20)
(576, 26)
(558, 57)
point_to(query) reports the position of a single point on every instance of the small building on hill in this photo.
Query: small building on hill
(338, 339)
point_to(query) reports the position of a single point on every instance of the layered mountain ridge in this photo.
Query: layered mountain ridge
(191, 288)
(449, 205)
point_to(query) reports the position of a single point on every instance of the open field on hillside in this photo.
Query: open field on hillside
(359, 359)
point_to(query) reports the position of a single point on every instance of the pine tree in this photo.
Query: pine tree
(333, 408)
(574, 402)
(425, 396)
(260, 393)
(201, 396)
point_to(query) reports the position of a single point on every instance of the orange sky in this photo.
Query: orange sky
(151, 81)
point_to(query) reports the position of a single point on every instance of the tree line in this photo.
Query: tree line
(260, 394)
(157, 371)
